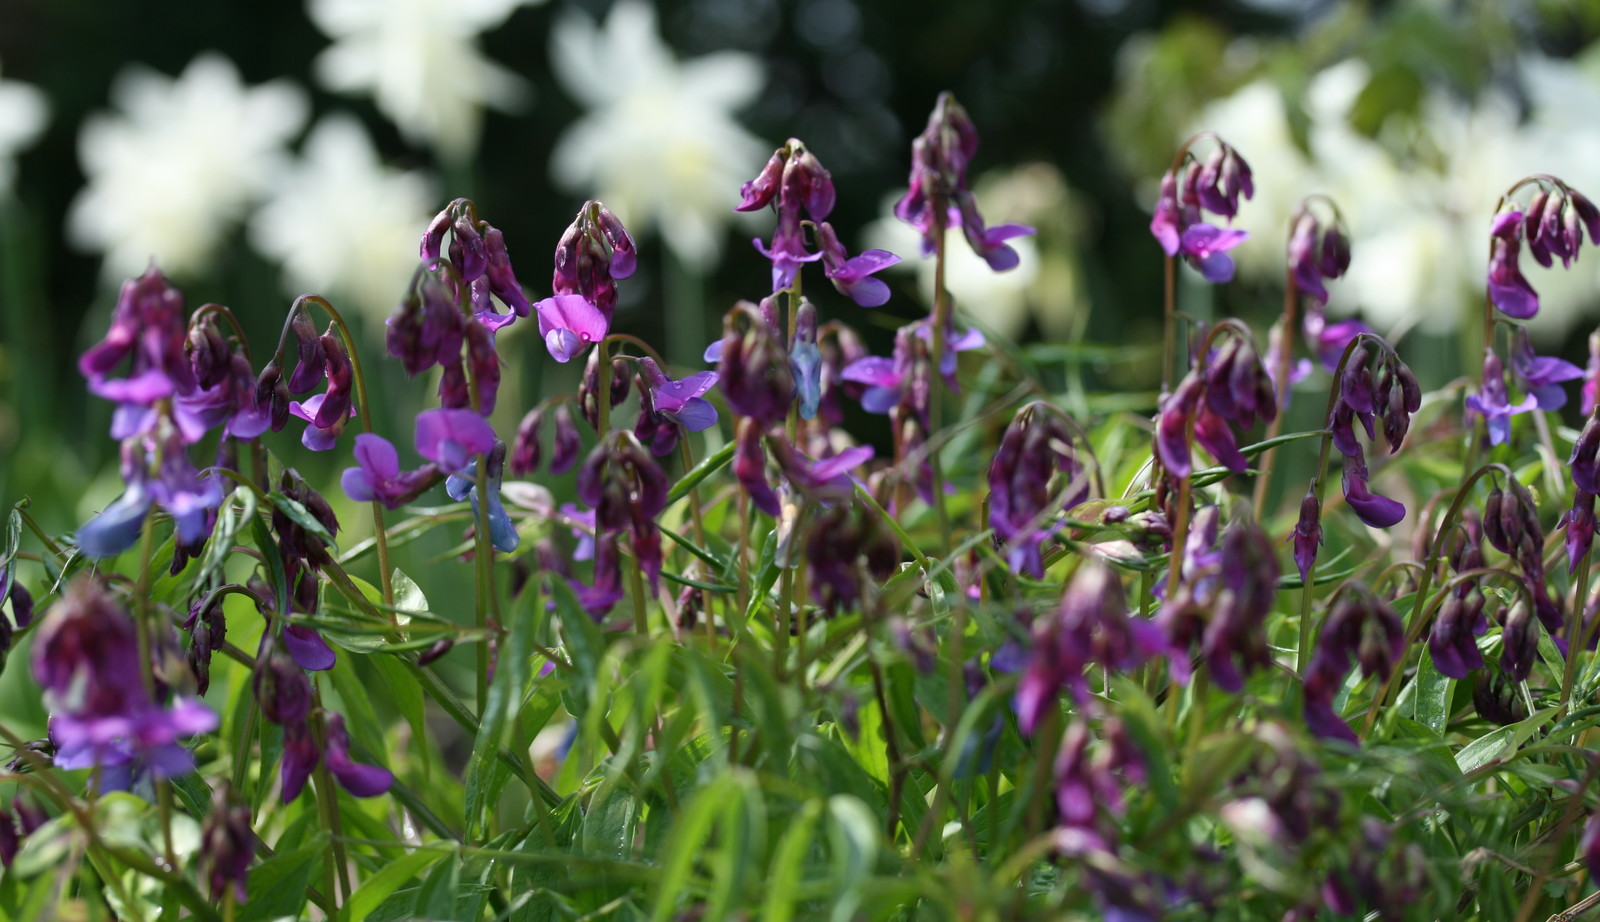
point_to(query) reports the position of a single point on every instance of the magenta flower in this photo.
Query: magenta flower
(379, 476)
(317, 438)
(1508, 288)
(852, 275)
(1373, 509)
(1329, 341)
(569, 323)
(666, 405)
(451, 438)
(1205, 246)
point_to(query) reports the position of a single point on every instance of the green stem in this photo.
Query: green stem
(1291, 303)
(602, 360)
(941, 324)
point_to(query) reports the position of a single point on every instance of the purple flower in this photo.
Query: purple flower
(894, 381)
(1540, 376)
(147, 326)
(1492, 403)
(281, 687)
(451, 437)
(1173, 422)
(1453, 640)
(1205, 246)
(754, 369)
(1591, 375)
(307, 648)
(1508, 288)
(939, 196)
(852, 276)
(102, 715)
(669, 404)
(379, 477)
(1316, 254)
(1036, 450)
(227, 847)
(1329, 341)
(568, 443)
(843, 546)
(627, 490)
(569, 323)
(525, 448)
(175, 486)
(750, 467)
(360, 780)
(788, 250)
(317, 438)
(1584, 463)
(1580, 525)
(1362, 627)
(1371, 508)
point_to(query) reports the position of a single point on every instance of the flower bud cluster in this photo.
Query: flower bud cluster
(1391, 394)
(1360, 626)
(1552, 226)
(1034, 475)
(1214, 185)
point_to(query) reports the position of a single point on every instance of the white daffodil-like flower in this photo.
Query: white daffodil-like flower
(342, 223)
(659, 145)
(177, 164)
(1419, 225)
(22, 117)
(420, 61)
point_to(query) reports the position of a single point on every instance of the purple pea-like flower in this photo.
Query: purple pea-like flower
(359, 779)
(668, 404)
(568, 442)
(228, 845)
(1508, 288)
(852, 275)
(1584, 463)
(379, 477)
(1173, 422)
(569, 324)
(1453, 640)
(1591, 375)
(1329, 340)
(450, 438)
(1371, 508)
(1361, 627)
(1580, 524)
(1307, 535)
(1036, 450)
(750, 467)
(1540, 376)
(842, 545)
(1493, 403)
(1206, 246)
(754, 369)
(174, 486)
(318, 438)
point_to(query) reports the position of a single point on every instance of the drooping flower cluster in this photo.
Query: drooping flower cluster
(1318, 252)
(1361, 626)
(1222, 601)
(1091, 626)
(594, 254)
(627, 490)
(1195, 187)
(1552, 226)
(1453, 637)
(1035, 474)
(1392, 394)
(800, 187)
(1511, 526)
(940, 195)
(102, 713)
(1229, 390)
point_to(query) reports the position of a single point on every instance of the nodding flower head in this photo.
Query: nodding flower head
(1318, 252)
(594, 253)
(755, 372)
(1307, 535)
(665, 405)
(1214, 185)
(1035, 474)
(940, 195)
(627, 490)
(1493, 403)
(480, 265)
(1361, 627)
(1540, 376)
(844, 547)
(148, 326)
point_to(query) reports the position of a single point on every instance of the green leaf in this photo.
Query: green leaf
(1431, 698)
(194, 792)
(407, 697)
(408, 595)
(377, 888)
(700, 472)
(685, 843)
(783, 876)
(583, 642)
(277, 886)
(1485, 748)
(437, 898)
(505, 694)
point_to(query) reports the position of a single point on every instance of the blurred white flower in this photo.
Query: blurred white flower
(178, 163)
(659, 145)
(343, 224)
(421, 62)
(22, 117)
(1418, 203)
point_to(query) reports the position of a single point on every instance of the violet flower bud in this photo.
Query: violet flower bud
(754, 372)
(1173, 423)
(1453, 638)
(624, 254)
(758, 193)
(1307, 534)
(455, 392)
(503, 282)
(209, 355)
(311, 366)
(337, 402)
(281, 687)
(750, 467)
(567, 443)
(525, 449)
(467, 251)
(207, 630)
(1035, 470)
(228, 845)
(1496, 699)
(484, 363)
(1584, 463)
(1508, 288)
(844, 544)
(272, 395)
(1580, 524)
(1519, 639)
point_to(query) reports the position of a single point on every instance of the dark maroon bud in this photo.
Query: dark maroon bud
(227, 846)
(208, 354)
(467, 251)
(502, 279)
(1355, 385)
(750, 467)
(525, 449)
(443, 325)
(433, 237)
(10, 838)
(1335, 258)
(485, 365)
(1307, 534)
(311, 364)
(759, 192)
(589, 391)
(1396, 419)
(1497, 699)
(208, 629)
(624, 255)
(1580, 524)
(568, 441)
(1533, 226)
(754, 373)
(689, 608)
(1453, 639)
(617, 476)
(621, 381)
(1493, 530)
(336, 403)
(1587, 213)
(1519, 638)
(1584, 463)
(80, 652)
(273, 394)
(434, 652)
(405, 338)
(808, 182)
(455, 391)
(1511, 521)
(845, 545)
(281, 687)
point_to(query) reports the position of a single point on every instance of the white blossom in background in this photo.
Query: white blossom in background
(1418, 204)
(173, 169)
(341, 222)
(420, 61)
(22, 117)
(659, 145)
